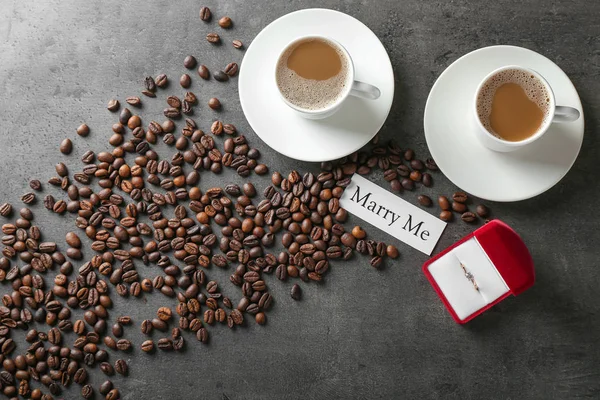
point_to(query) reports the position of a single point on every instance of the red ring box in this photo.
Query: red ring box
(496, 264)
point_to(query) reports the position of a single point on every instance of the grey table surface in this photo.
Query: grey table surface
(364, 333)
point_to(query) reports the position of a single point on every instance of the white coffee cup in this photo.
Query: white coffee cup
(352, 87)
(555, 114)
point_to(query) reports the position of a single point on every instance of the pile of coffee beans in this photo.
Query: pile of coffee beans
(138, 208)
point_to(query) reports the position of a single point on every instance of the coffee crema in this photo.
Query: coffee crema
(312, 74)
(513, 105)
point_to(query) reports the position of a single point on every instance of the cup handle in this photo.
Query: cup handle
(565, 114)
(366, 91)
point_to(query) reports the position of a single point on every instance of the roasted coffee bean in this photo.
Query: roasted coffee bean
(164, 344)
(376, 261)
(172, 112)
(460, 197)
(164, 313)
(482, 211)
(391, 251)
(214, 103)
(231, 69)
(147, 346)
(28, 198)
(416, 176)
(5, 209)
(427, 180)
(35, 184)
(190, 62)
(203, 72)
(468, 217)
(161, 80)
(66, 146)
(87, 392)
(431, 165)
(113, 105)
(221, 76)
(134, 101)
(150, 84)
(121, 367)
(444, 203)
(205, 14)
(296, 292)
(446, 216)
(424, 200)
(237, 44)
(459, 207)
(225, 22)
(185, 81)
(407, 184)
(213, 38)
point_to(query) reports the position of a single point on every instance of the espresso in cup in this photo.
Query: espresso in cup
(514, 105)
(313, 74)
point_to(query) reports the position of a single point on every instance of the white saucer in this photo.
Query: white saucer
(285, 131)
(449, 129)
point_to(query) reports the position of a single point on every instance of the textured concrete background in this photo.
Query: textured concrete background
(364, 333)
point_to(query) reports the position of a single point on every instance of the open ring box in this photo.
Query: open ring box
(481, 270)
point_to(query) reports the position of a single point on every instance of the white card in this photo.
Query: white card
(391, 214)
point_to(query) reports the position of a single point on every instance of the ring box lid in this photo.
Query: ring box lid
(504, 251)
(508, 253)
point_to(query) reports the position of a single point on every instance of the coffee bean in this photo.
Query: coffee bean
(190, 62)
(213, 38)
(424, 200)
(216, 128)
(427, 180)
(296, 292)
(415, 176)
(237, 44)
(147, 346)
(460, 197)
(205, 14)
(185, 81)
(231, 69)
(73, 240)
(35, 184)
(113, 105)
(459, 207)
(417, 165)
(444, 203)
(431, 165)
(113, 395)
(164, 313)
(482, 211)
(391, 251)
(407, 184)
(134, 101)
(446, 216)
(105, 387)
(66, 146)
(203, 72)
(121, 367)
(225, 22)
(376, 261)
(468, 217)
(214, 103)
(148, 93)
(172, 112)
(87, 392)
(221, 76)
(150, 84)
(28, 198)
(5, 209)
(162, 81)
